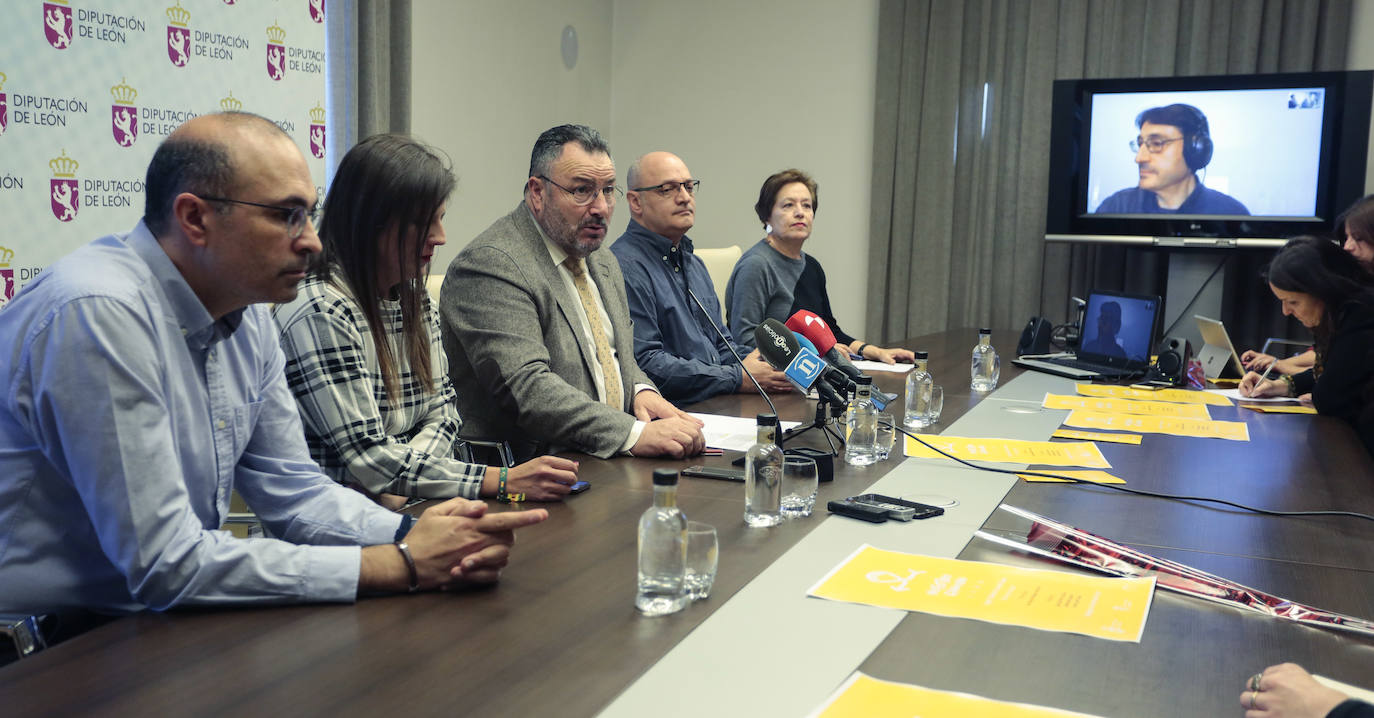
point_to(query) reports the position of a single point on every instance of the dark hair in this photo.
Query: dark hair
(1358, 221)
(385, 184)
(1319, 267)
(550, 145)
(768, 193)
(201, 167)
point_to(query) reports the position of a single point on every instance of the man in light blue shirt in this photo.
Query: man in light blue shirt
(142, 382)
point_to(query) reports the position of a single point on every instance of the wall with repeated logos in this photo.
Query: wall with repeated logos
(88, 88)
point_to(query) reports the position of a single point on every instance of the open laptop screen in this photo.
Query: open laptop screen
(1118, 329)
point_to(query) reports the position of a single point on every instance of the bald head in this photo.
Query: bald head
(202, 156)
(668, 213)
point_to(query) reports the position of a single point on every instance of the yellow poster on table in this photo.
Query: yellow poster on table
(1180, 396)
(1280, 408)
(1016, 451)
(1233, 430)
(1107, 405)
(1110, 608)
(863, 696)
(1096, 436)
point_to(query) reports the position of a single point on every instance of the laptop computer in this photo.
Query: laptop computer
(1218, 355)
(1117, 335)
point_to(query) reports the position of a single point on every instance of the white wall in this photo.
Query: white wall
(1361, 57)
(488, 77)
(739, 90)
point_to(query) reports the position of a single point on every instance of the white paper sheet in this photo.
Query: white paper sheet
(1234, 394)
(733, 433)
(866, 366)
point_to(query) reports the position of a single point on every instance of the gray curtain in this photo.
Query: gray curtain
(368, 43)
(961, 154)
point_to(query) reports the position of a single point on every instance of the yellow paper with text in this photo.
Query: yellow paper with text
(1233, 430)
(1110, 608)
(863, 696)
(1096, 436)
(1280, 408)
(1016, 451)
(1107, 405)
(1097, 477)
(1181, 396)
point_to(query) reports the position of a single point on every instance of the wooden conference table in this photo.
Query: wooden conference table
(559, 634)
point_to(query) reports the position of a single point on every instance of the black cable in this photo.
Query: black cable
(1138, 492)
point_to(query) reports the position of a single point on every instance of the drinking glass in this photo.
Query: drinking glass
(799, 483)
(937, 403)
(703, 551)
(886, 435)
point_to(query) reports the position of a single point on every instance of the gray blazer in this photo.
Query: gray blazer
(519, 363)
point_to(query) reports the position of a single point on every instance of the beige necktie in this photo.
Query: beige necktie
(609, 376)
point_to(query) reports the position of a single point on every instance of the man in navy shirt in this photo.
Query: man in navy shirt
(1174, 143)
(675, 343)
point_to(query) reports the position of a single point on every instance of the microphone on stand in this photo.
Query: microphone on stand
(730, 345)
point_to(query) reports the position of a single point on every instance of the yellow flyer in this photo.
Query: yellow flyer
(1097, 477)
(1109, 608)
(863, 696)
(1180, 396)
(1233, 430)
(1107, 405)
(1016, 451)
(1096, 436)
(1280, 408)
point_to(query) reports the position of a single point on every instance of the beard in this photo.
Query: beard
(567, 233)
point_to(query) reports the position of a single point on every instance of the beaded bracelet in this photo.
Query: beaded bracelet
(1292, 390)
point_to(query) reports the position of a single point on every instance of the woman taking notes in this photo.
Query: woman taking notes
(1328, 291)
(363, 355)
(774, 278)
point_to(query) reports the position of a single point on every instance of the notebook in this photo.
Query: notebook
(1117, 334)
(1218, 355)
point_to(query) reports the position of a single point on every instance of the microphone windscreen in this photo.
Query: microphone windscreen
(776, 343)
(811, 326)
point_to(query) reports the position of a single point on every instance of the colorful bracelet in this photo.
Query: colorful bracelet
(501, 494)
(1288, 379)
(410, 565)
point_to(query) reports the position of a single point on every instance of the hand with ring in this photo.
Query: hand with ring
(1287, 691)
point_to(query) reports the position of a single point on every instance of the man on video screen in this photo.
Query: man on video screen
(1174, 143)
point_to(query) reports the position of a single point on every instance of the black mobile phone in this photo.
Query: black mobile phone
(856, 510)
(899, 509)
(714, 472)
(580, 486)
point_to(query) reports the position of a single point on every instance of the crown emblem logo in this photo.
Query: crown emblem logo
(6, 254)
(230, 104)
(3, 78)
(177, 15)
(317, 114)
(276, 34)
(122, 93)
(64, 166)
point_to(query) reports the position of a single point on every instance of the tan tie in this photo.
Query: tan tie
(609, 375)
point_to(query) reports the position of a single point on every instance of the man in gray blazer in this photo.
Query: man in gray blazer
(536, 326)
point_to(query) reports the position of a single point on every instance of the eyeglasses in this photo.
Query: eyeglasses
(295, 216)
(1155, 145)
(668, 189)
(583, 195)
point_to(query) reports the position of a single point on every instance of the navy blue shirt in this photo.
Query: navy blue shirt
(674, 343)
(1143, 201)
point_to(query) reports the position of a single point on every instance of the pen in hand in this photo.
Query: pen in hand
(1263, 376)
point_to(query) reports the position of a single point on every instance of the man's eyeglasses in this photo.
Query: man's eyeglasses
(584, 194)
(295, 216)
(668, 189)
(1155, 144)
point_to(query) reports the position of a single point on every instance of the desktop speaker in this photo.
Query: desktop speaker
(1035, 338)
(1172, 362)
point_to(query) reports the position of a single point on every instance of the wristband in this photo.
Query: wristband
(1292, 390)
(862, 347)
(410, 565)
(501, 494)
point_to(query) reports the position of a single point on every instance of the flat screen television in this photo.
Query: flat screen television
(1221, 159)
